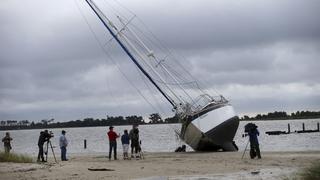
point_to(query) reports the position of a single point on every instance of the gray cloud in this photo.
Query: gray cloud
(253, 52)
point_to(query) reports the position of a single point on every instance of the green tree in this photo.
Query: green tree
(155, 118)
(173, 119)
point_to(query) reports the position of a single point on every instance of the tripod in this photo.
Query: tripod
(47, 152)
(245, 150)
(140, 151)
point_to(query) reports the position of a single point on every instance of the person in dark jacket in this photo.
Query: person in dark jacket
(7, 142)
(125, 140)
(44, 136)
(254, 143)
(134, 137)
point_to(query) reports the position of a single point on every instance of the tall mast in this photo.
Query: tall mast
(99, 13)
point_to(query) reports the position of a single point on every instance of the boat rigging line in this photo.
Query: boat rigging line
(100, 15)
(174, 86)
(208, 123)
(160, 46)
(113, 61)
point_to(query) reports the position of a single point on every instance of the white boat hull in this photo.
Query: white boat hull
(212, 130)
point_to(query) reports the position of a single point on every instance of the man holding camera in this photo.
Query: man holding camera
(44, 136)
(254, 143)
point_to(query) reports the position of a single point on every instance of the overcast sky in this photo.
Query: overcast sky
(261, 55)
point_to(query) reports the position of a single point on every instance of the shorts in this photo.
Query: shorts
(125, 148)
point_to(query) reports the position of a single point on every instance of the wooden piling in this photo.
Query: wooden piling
(85, 144)
(303, 129)
(318, 127)
(288, 128)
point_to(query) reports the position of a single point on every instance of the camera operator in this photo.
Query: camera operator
(44, 137)
(253, 133)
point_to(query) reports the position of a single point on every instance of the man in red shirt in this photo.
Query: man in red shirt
(112, 142)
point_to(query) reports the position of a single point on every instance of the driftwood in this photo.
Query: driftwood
(100, 169)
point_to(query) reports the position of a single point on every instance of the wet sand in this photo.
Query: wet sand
(156, 166)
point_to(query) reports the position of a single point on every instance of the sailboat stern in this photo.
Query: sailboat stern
(213, 130)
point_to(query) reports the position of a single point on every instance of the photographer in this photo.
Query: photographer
(7, 142)
(134, 137)
(44, 136)
(253, 138)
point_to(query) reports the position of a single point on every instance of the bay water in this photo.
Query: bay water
(162, 138)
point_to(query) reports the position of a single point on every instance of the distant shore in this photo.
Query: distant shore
(228, 165)
(279, 119)
(6, 128)
(154, 118)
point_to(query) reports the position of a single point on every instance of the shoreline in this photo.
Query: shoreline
(16, 128)
(170, 165)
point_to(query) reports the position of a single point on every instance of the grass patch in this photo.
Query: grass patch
(311, 173)
(12, 157)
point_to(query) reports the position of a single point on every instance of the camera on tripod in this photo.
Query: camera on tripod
(249, 127)
(50, 134)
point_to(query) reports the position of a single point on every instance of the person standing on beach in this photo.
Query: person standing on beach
(125, 140)
(134, 137)
(44, 136)
(112, 142)
(7, 142)
(63, 143)
(254, 143)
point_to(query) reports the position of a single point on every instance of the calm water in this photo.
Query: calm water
(162, 138)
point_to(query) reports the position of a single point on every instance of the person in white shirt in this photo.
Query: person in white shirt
(63, 142)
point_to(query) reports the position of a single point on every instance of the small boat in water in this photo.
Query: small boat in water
(209, 123)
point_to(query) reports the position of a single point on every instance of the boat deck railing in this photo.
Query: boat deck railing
(206, 100)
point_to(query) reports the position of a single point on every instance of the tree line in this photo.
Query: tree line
(154, 118)
(281, 115)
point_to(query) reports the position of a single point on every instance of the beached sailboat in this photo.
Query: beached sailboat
(209, 123)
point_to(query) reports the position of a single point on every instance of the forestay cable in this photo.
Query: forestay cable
(111, 59)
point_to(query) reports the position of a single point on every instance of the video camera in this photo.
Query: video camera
(249, 127)
(47, 135)
(51, 134)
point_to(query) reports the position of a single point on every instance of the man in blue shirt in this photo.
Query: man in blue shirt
(63, 142)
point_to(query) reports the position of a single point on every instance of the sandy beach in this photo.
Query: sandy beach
(156, 166)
